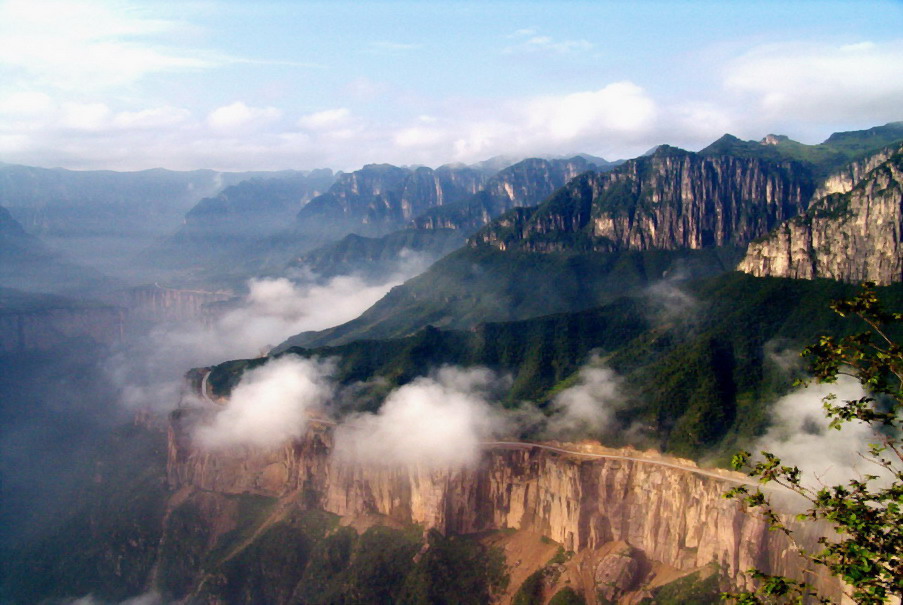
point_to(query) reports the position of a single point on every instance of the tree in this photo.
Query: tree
(867, 512)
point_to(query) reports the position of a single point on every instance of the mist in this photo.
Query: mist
(669, 303)
(271, 404)
(150, 598)
(434, 422)
(588, 407)
(149, 370)
(800, 435)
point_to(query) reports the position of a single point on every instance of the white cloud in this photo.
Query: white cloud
(800, 435)
(85, 116)
(150, 372)
(618, 107)
(271, 405)
(329, 118)
(239, 117)
(158, 117)
(822, 82)
(26, 104)
(85, 45)
(589, 405)
(419, 136)
(530, 41)
(432, 422)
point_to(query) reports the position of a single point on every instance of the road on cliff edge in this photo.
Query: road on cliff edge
(525, 445)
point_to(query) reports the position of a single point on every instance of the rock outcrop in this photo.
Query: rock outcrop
(380, 198)
(154, 302)
(49, 327)
(668, 513)
(524, 184)
(851, 233)
(670, 200)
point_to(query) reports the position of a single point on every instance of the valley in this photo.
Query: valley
(518, 383)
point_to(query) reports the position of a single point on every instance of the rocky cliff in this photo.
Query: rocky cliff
(256, 206)
(523, 184)
(670, 200)
(159, 303)
(47, 328)
(380, 198)
(852, 232)
(661, 508)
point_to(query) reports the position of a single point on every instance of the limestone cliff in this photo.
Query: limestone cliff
(851, 233)
(50, 327)
(670, 200)
(158, 303)
(379, 197)
(664, 509)
(524, 184)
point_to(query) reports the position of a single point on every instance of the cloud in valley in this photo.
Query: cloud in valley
(150, 598)
(588, 407)
(669, 303)
(150, 371)
(432, 422)
(270, 405)
(800, 435)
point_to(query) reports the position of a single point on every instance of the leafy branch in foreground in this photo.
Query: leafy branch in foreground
(867, 512)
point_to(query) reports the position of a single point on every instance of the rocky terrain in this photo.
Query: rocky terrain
(852, 232)
(625, 521)
(159, 303)
(670, 200)
(524, 184)
(52, 325)
(380, 198)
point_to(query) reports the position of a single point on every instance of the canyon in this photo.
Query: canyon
(647, 515)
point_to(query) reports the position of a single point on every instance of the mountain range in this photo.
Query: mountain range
(685, 278)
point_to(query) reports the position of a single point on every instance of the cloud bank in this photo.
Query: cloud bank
(800, 435)
(588, 407)
(150, 371)
(270, 405)
(437, 421)
(433, 422)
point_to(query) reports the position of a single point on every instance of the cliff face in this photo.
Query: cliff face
(254, 207)
(671, 200)
(44, 329)
(156, 303)
(851, 233)
(524, 184)
(380, 198)
(673, 515)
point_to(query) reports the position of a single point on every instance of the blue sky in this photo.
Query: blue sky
(273, 85)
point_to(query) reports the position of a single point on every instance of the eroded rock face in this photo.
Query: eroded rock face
(380, 198)
(617, 572)
(157, 303)
(671, 200)
(672, 515)
(524, 184)
(852, 233)
(45, 329)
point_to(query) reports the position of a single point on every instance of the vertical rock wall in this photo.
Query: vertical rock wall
(674, 515)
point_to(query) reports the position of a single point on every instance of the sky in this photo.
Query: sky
(265, 85)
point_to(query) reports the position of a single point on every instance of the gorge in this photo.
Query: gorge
(567, 282)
